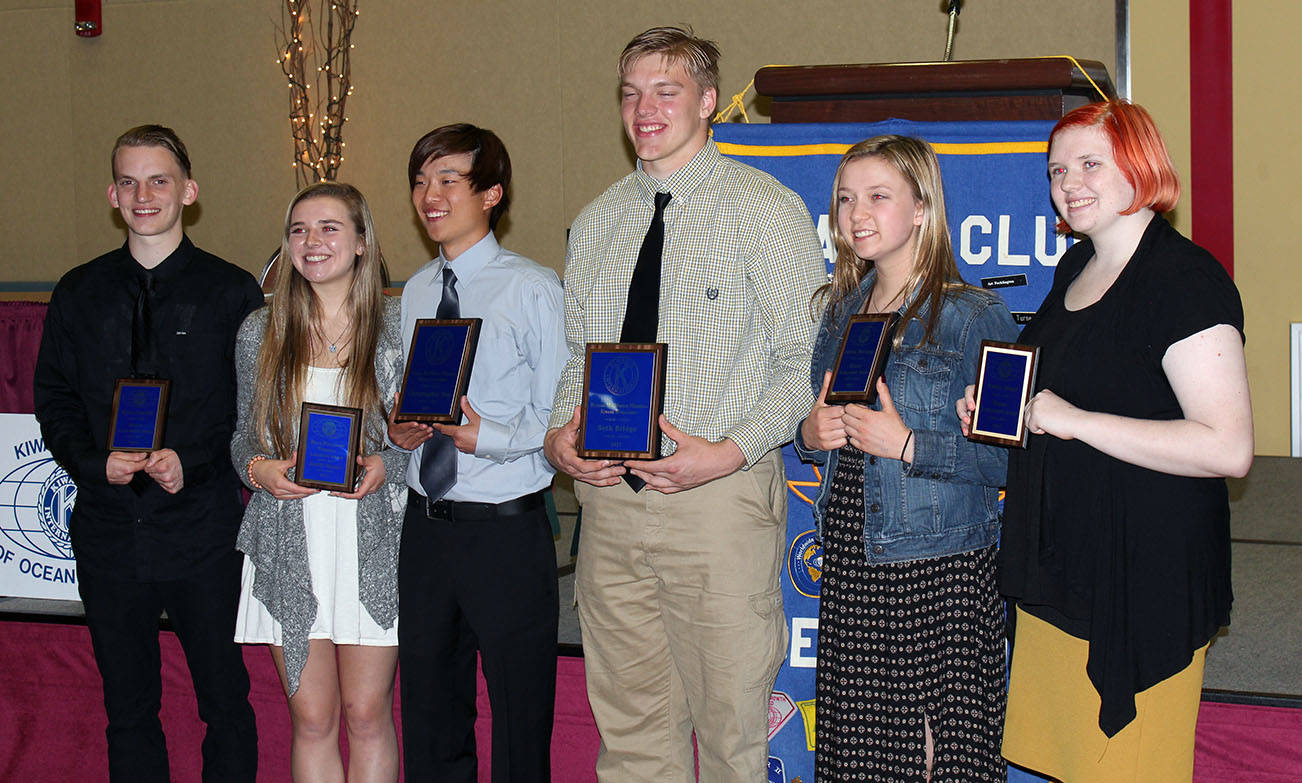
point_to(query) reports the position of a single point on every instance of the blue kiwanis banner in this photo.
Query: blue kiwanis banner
(1002, 225)
(996, 190)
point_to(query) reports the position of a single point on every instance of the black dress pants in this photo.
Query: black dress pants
(123, 619)
(469, 584)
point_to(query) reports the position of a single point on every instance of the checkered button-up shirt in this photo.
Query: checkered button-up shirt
(741, 261)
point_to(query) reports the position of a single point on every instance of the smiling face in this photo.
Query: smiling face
(454, 215)
(666, 115)
(324, 244)
(1088, 188)
(877, 213)
(149, 190)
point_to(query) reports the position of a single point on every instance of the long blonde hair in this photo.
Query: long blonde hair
(291, 317)
(933, 271)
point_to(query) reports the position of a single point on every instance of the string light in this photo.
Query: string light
(317, 40)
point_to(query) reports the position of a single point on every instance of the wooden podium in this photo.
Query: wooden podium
(1040, 88)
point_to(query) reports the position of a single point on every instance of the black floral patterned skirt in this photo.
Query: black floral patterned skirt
(900, 644)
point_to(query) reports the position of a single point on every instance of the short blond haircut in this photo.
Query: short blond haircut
(680, 45)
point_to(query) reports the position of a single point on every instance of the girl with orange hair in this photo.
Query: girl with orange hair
(1116, 544)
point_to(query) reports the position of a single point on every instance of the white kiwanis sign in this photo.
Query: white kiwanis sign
(36, 498)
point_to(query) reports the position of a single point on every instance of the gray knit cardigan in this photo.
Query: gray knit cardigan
(273, 535)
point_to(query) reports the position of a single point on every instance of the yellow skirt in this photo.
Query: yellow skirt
(1053, 711)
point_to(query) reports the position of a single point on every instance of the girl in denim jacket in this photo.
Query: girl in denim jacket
(910, 655)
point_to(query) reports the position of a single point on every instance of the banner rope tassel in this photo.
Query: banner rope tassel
(738, 102)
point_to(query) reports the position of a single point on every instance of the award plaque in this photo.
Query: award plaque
(439, 360)
(862, 358)
(1004, 384)
(138, 414)
(328, 440)
(623, 392)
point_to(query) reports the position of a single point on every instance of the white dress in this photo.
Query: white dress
(332, 561)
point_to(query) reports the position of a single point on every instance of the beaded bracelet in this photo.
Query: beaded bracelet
(906, 445)
(249, 469)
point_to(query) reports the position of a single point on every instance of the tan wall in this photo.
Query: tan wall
(1267, 167)
(1266, 172)
(1159, 79)
(539, 73)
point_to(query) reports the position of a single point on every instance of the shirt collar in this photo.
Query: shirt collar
(682, 183)
(468, 264)
(168, 269)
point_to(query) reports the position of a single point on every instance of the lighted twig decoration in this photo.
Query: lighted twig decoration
(315, 44)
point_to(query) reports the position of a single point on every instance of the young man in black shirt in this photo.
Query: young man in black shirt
(154, 531)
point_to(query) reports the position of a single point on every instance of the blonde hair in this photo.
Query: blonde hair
(286, 348)
(933, 271)
(699, 57)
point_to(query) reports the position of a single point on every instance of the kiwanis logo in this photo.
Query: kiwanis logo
(441, 346)
(621, 375)
(805, 564)
(42, 487)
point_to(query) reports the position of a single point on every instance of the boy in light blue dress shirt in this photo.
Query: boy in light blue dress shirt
(477, 570)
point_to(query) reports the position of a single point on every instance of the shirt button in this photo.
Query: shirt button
(875, 507)
(878, 549)
(872, 460)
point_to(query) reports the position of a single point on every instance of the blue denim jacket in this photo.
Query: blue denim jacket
(945, 502)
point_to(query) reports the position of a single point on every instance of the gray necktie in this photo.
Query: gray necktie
(438, 459)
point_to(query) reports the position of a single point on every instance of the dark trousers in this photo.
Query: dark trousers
(123, 619)
(466, 585)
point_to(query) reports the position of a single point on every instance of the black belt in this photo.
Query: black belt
(467, 511)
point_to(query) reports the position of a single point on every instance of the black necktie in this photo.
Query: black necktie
(438, 459)
(642, 313)
(143, 364)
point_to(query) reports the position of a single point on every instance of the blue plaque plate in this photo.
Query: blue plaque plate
(328, 439)
(439, 361)
(1005, 382)
(862, 358)
(623, 392)
(138, 414)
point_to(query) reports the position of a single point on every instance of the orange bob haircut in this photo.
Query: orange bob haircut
(1137, 147)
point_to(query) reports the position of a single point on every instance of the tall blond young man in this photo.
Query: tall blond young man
(678, 592)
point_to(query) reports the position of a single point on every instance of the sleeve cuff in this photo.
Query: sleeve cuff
(93, 468)
(934, 454)
(751, 443)
(806, 454)
(562, 414)
(493, 441)
(193, 469)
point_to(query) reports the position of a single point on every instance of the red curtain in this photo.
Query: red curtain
(21, 324)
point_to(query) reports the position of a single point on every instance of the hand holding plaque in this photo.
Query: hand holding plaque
(1004, 385)
(623, 393)
(138, 415)
(329, 437)
(439, 361)
(862, 358)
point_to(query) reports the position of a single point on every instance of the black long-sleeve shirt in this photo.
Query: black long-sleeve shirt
(198, 305)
